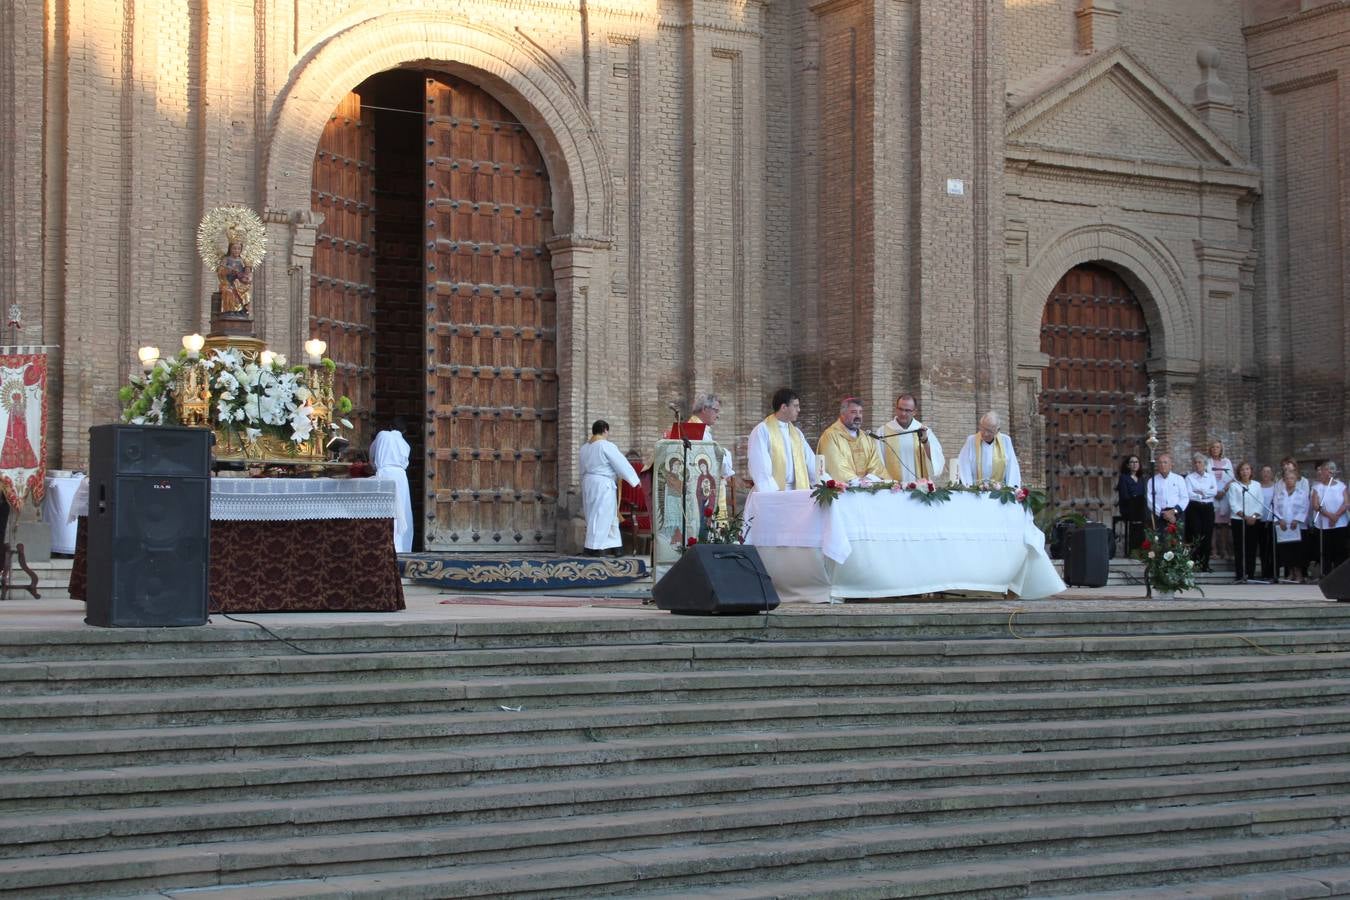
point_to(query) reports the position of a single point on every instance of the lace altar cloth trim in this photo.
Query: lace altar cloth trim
(286, 499)
(293, 499)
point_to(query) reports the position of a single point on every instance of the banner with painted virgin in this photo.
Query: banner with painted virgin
(674, 528)
(23, 421)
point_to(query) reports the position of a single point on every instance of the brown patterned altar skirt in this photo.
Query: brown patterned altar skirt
(319, 565)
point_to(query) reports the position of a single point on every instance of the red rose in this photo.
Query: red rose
(911, 486)
(1171, 529)
(708, 511)
(834, 485)
(1146, 544)
(1022, 493)
(691, 542)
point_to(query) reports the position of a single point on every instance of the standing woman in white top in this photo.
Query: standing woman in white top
(389, 454)
(1200, 490)
(601, 463)
(1221, 468)
(1244, 499)
(1291, 511)
(1330, 503)
(1267, 546)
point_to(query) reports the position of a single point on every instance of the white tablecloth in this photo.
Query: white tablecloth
(889, 545)
(292, 499)
(57, 504)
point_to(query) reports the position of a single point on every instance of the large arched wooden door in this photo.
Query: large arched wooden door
(492, 379)
(1094, 332)
(342, 275)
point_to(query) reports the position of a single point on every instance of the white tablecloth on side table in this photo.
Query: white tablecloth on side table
(890, 545)
(57, 505)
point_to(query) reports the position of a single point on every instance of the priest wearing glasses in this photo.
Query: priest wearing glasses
(913, 456)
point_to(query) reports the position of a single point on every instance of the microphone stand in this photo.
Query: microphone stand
(684, 480)
(885, 437)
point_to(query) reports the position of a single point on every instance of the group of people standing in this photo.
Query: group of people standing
(1242, 514)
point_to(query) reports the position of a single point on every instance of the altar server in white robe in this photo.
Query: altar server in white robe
(910, 457)
(988, 455)
(601, 463)
(389, 454)
(779, 457)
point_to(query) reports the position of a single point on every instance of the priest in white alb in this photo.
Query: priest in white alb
(914, 456)
(389, 453)
(779, 457)
(988, 455)
(848, 452)
(601, 463)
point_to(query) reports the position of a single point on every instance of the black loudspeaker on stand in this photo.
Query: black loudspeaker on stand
(712, 579)
(149, 526)
(1087, 555)
(1335, 584)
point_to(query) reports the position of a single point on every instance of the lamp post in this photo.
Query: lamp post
(1151, 441)
(193, 344)
(148, 357)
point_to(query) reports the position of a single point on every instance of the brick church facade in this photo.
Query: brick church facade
(511, 218)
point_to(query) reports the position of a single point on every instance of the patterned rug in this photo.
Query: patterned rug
(540, 573)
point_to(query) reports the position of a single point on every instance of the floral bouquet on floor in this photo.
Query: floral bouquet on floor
(1167, 559)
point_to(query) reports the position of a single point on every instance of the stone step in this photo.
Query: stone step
(1328, 882)
(886, 785)
(857, 866)
(779, 725)
(228, 781)
(139, 674)
(930, 691)
(713, 684)
(785, 625)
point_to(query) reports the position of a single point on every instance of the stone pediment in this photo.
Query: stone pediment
(1109, 106)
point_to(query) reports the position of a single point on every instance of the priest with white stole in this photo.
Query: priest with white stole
(779, 457)
(850, 454)
(601, 463)
(389, 453)
(913, 457)
(988, 455)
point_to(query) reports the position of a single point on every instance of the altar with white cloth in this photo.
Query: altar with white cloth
(295, 545)
(884, 544)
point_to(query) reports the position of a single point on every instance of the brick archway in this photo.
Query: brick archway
(526, 81)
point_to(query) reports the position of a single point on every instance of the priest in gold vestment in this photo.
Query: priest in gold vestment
(850, 454)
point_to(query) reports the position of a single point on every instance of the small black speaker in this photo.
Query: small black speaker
(1335, 584)
(149, 526)
(1087, 551)
(712, 579)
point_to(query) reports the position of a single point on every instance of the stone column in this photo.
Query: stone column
(1098, 21)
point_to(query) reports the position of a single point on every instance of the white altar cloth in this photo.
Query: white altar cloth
(290, 499)
(889, 545)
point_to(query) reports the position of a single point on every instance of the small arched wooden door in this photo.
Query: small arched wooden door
(1093, 391)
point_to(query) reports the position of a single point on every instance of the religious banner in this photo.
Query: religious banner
(673, 525)
(23, 421)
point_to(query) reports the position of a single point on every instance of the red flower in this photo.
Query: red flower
(911, 486)
(1145, 544)
(708, 511)
(1022, 494)
(834, 485)
(691, 542)
(1171, 529)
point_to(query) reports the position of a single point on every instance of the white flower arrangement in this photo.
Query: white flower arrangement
(246, 397)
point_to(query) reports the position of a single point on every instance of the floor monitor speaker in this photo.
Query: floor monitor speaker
(149, 526)
(1335, 584)
(713, 579)
(1087, 552)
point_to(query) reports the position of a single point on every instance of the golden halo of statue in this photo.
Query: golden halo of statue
(226, 225)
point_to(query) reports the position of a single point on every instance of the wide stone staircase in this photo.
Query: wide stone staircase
(1187, 750)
